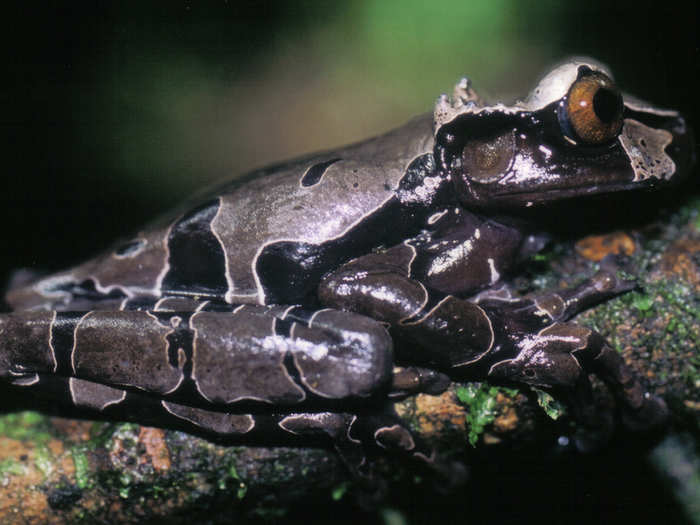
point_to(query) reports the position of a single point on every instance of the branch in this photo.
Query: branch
(63, 471)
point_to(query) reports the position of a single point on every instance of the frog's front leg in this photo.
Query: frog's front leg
(550, 353)
(523, 341)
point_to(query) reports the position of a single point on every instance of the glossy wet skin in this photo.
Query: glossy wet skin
(276, 307)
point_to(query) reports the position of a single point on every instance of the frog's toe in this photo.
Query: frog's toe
(617, 274)
(595, 430)
(652, 415)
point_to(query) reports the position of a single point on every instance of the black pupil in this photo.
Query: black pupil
(607, 104)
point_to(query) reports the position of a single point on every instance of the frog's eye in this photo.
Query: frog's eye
(591, 112)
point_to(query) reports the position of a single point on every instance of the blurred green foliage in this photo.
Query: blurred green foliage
(109, 104)
(197, 95)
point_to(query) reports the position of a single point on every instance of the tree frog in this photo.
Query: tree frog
(292, 304)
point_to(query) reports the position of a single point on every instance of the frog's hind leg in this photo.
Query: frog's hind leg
(248, 356)
(354, 436)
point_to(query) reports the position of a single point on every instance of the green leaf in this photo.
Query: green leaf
(553, 408)
(480, 399)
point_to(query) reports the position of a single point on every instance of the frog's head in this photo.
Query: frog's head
(576, 134)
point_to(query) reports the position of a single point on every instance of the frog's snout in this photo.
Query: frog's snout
(682, 148)
(684, 144)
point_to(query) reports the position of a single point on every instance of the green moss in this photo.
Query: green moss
(101, 432)
(82, 466)
(270, 513)
(660, 325)
(26, 426)
(10, 467)
(691, 372)
(242, 489)
(642, 302)
(339, 491)
(127, 433)
(125, 481)
(690, 213)
(393, 517)
(480, 399)
(43, 460)
(664, 299)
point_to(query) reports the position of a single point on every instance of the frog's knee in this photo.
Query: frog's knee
(342, 355)
(24, 346)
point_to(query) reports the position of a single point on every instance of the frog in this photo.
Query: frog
(296, 303)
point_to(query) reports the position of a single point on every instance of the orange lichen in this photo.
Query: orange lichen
(507, 420)
(678, 260)
(436, 412)
(23, 486)
(156, 448)
(78, 430)
(597, 247)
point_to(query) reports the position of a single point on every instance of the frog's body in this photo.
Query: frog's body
(267, 240)
(262, 310)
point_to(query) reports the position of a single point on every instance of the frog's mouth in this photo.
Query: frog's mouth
(541, 196)
(520, 187)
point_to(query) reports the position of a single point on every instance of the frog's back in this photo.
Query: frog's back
(234, 239)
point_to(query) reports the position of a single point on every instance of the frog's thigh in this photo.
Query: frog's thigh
(331, 354)
(122, 404)
(119, 403)
(251, 354)
(352, 435)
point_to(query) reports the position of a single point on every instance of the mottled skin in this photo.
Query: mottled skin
(276, 307)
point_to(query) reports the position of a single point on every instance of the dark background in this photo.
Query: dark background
(112, 112)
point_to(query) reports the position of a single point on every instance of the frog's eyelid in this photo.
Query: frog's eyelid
(553, 87)
(641, 106)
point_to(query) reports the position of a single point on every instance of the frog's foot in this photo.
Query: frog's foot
(594, 429)
(620, 265)
(560, 357)
(652, 415)
(597, 426)
(385, 432)
(640, 410)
